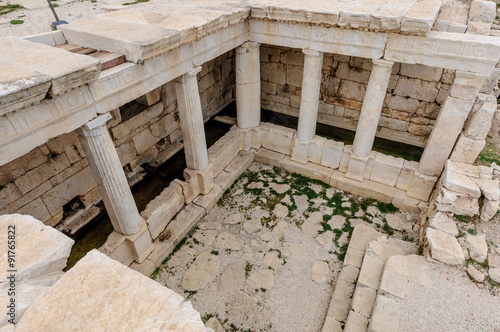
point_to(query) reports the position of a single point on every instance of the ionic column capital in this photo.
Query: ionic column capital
(95, 127)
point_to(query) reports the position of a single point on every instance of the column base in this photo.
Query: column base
(197, 182)
(305, 151)
(356, 168)
(127, 249)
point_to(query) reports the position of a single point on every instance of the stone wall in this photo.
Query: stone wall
(414, 96)
(41, 182)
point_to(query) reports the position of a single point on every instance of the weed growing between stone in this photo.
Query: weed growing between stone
(265, 243)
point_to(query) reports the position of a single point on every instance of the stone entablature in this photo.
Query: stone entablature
(42, 181)
(166, 48)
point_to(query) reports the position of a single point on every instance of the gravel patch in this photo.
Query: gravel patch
(452, 303)
(38, 20)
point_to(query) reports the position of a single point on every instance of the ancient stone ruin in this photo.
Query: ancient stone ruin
(376, 113)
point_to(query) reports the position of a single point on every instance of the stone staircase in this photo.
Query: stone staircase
(373, 272)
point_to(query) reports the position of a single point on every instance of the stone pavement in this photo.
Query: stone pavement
(268, 255)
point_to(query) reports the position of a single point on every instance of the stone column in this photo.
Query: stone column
(191, 116)
(248, 85)
(109, 175)
(450, 121)
(369, 117)
(311, 82)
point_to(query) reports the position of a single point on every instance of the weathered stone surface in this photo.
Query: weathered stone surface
(444, 247)
(478, 249)
(385, 317)
(201, 272)
(233, 277)
(272, 260)
(363, 300)
(263, 278)
(226, 240)
(98, 282)
(40, 249)
(319, 271)
(245, 310)
(489, 188)
(489, 209)
(475, 274)
(461, 184)
(67, 70)
(494, 274)
(163, 208)
(442, 222)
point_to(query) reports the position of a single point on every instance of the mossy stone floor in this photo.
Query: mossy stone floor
(266, 258)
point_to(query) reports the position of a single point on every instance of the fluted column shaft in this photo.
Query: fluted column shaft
(108, 173)
(372, 107)
(248, 85)
(191, 116)
(311, 83)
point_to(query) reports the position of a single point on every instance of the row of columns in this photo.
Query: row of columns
(113, 185)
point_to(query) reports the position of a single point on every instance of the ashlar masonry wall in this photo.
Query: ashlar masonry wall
(414, 95)
(41, 182)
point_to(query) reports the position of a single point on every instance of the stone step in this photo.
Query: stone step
(364, 278)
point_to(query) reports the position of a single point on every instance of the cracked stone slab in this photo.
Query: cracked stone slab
(201, 272)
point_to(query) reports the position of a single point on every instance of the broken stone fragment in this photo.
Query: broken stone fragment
(478, 248)
(444, 247)
(475, 274)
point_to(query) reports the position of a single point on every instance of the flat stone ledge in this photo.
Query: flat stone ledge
(97, 288)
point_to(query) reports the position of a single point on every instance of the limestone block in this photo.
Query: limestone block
(26, 293)
(475, 274)
(332, 154)
(442, 222)
(201, 181)
(304, 151)
(224, 150)
(442, 55)
(355, 322)
(479, 122)
(405, 178)
(128, 129)
(444, 247)
(386, 169)
(276, 138)
(489, 188)
(150, 98)
(251, 138)
(40, 249)
(163, 208)
(81, 290)
(365, 188)
(421, 186)
(401, 103)
(417, 89)
(370, 273)
(494, 274)
(201, 272)
(310, 170)
(461, 184)
(67, 70)
(344, 288)
(357, 168)
(144, 140)
(388, 17)
(404, 202)
(489, 209)
(345, 158)
(331, 325)
(363, 300)
(481, 12)
(464, 169)
(385, 317)
(140, 41)
(422, 72)
(478, 249)
(22, 87)
(463, 205)
(393, 283)
(36, 209)
(209, 200)
(420, 18)
(240, 163)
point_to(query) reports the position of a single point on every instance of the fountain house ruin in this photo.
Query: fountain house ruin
(377, 105)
